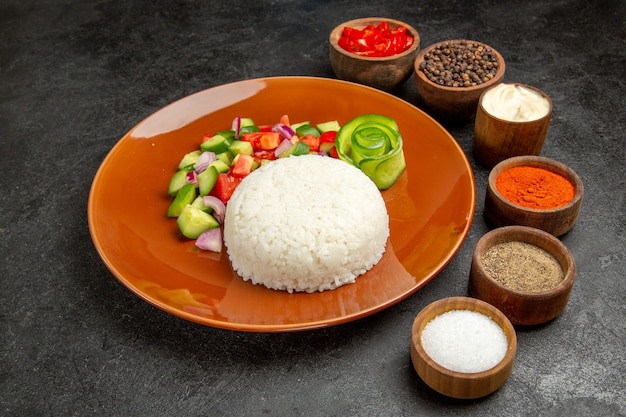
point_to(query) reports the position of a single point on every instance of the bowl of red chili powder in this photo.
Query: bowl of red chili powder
(533, 191)
(525, 272)
(375, 51)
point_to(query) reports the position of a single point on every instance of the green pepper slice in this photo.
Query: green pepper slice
(372, 143)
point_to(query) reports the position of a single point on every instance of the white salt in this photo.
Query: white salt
(464, 341)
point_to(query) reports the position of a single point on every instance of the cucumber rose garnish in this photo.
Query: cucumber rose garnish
(372, 143)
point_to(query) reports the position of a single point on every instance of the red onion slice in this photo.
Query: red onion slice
(284, 145)
(219, 208)
(237, 126)
(192, 177)
(210, 240)
(283, 130)
(204, 160)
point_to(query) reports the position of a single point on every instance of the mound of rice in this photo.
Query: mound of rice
(305, 223)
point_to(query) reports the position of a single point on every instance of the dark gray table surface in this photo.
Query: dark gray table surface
(76, 75)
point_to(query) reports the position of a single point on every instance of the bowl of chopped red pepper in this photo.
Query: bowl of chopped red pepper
(451, 76)
(533, 191)
(374, 51)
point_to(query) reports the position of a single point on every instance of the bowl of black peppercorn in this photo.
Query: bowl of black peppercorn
(451, 75)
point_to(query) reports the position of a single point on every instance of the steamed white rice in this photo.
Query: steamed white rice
(305, 223)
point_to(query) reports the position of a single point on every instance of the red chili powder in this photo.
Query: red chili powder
(535, 188)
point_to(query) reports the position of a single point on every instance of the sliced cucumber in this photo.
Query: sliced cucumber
(216, 144)
(189, 159)
(372, 142)
(384, 172)
(249, 129)
(185, 196)
(304, 130)
(295, 126)
(192, 222)
(332, 125)
(199, 204)
(225, 157)
(297, 149)
(220, 165)
(228, 134)
(239, 146)
(178, 180)
(246, 121)
(207, 180)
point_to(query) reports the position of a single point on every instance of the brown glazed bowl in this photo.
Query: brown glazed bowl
(459, 384)
(522, 308)
(453, 103)
(384, 73)
(501, 212)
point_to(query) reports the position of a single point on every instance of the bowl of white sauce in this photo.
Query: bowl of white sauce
(512, 119)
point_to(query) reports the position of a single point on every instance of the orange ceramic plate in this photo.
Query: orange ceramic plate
(431, 208)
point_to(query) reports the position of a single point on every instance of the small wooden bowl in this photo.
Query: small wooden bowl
(453, 103)
(502, 212)
(522, 308)
(384, 73)
(496, 139)
(459, 384)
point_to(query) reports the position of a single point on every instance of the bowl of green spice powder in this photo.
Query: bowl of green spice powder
(525, 272)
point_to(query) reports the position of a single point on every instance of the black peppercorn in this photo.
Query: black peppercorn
(460, 64)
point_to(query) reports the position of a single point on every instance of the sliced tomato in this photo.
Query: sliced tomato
(262, 141)
(260, 156)
(243, 166)
(312, 141)
(226, 185)
(265, 128)
(252, 138)
(269, 141)
(328, 136)
(284, 119)
(333, 152)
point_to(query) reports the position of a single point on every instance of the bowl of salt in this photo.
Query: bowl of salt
(463, 347)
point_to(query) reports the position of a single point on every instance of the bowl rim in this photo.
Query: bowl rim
(569, 270)
(549, 164)
(335, 34)
(494, 81)
(465, 303)
(548, 115)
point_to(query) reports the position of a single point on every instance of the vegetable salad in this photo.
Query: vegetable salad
(207, 177)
